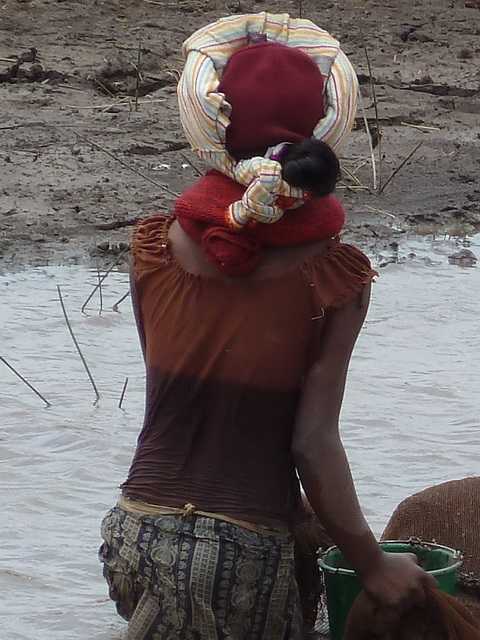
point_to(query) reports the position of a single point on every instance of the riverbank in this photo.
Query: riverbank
(75, 95)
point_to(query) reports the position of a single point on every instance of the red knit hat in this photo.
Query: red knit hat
(277, 95)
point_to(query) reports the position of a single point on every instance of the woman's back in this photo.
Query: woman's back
(275, 262)
(225, 361)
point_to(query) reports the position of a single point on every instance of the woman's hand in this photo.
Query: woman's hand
(396, 581)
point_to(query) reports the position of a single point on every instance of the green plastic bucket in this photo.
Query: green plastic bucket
(343, 586)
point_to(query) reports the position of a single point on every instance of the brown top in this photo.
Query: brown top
(225, 361)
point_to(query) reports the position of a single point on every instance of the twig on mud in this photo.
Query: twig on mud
(75, 342)
(103, 278)
(127, 166)
(138, 72)
(382, 211)
(359, 165)
(377, 119)
(123, 102)
(421, 127)
(175, 73)
(18, 126)
(352, 177)
(197, 170)
(300, 8)
(401, 165)
(39, 124)
(117, 224)
(370, 141)
(25, 381)
(70, 87)
(354, 187)
(119, 302)
(123, 393)
(104, 87)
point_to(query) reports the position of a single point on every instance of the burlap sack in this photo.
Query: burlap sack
(447, 514)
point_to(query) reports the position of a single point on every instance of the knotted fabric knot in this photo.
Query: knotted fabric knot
(265, 184)
(188, 510)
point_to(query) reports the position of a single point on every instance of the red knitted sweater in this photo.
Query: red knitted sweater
(201, 211)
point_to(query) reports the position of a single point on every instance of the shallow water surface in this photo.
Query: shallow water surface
(410, 419)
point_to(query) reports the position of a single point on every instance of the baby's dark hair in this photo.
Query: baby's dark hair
(311, 165)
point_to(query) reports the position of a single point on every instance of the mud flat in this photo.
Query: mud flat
(70, 91)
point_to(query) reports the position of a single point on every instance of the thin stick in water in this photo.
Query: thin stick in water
(103, 278)
(400, 166)
(69, 326)
(100, 290)
(123, 393)
(119, 302)
(24, 380)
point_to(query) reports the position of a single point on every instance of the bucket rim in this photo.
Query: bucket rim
(455, 554)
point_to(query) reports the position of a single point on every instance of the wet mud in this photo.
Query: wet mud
(79, 79)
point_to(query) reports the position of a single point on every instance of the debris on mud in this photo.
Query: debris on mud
(121, 76)
(116, 224)
(27, 67)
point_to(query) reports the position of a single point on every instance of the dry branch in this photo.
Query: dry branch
(192, 164)
(400, 166)
(138, 73)
(370, 142)
(377, 119)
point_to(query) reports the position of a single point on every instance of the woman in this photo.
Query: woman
(248, 308)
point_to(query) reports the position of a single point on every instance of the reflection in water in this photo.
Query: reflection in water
(410, 419)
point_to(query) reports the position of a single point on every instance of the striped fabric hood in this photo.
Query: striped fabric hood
(205, 112)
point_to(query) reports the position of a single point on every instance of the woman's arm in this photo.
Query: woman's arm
(323, 466)
(137, 312)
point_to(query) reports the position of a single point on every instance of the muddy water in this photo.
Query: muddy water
(411, 418)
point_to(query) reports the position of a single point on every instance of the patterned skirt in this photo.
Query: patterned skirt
(198, 578)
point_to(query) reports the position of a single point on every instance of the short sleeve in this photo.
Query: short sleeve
(338, 276)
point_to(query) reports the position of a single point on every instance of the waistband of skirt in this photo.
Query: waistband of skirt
(141, 508)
